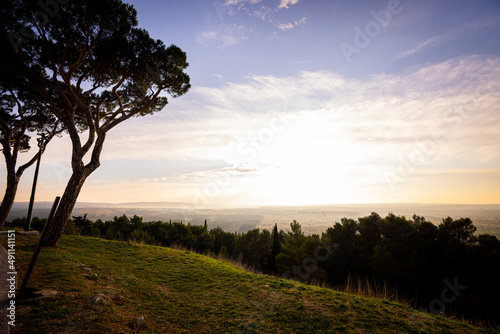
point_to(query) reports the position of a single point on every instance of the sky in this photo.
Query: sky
(301, 102)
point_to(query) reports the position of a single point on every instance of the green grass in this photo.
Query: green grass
(183, 292)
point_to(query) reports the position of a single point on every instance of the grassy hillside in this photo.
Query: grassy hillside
(182, 292)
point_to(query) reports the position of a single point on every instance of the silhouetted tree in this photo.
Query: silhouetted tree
(276, 249)
(136, 222)
(21, 113)
(370, 235)
(461, 229)
(121, 224)
(255, 248)
(223, 239)
(488, 245)
(83, 224)
(180, 234)
(427, 254)
(293, 252)
(204, 240)
(95, 70)
(398, 239)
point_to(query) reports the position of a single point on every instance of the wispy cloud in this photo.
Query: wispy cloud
(291, 25)
(459, 32)
(453, 103)
(226, 172)
(246, 4)
(223, 37)
(425, 44)
(240, 2)
(263, 10)
(324, 131)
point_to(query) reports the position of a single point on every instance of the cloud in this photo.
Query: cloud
(286, 3)
(425, 44)
(207, 35)
(239, 2)
(262, 93)
(455, 101)
(290, 25)
(226, 172)
(459, 32)
(286, 26)
(223, 37)
(443, 113)
(263, 10)
(323, 130)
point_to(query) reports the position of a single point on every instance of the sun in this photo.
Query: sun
(307, 166)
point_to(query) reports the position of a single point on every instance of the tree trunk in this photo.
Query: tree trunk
(14, 177)
(8, 198)
(55, 230)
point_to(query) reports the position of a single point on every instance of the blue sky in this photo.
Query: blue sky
(310, 102)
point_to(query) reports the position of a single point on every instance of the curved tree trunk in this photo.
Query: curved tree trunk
(55, 230)
(8, 197)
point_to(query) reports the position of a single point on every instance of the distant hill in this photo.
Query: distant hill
(48, 205)
(110, 287)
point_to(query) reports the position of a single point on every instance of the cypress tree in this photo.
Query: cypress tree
(276, 248)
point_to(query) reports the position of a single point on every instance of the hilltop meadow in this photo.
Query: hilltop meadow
(106, 286)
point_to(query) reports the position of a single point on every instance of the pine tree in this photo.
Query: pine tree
(293, 252)
(101, 71)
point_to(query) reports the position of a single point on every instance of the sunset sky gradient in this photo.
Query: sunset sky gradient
(297, 102)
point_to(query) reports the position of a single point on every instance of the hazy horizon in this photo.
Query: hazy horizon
(186, 205)
(314, 219)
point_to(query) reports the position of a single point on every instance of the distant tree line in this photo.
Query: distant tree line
(444, 268)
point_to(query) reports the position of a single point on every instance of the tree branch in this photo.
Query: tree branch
(96, 152)
(5, 139)
(24, 123)
(109, 125)
(92, 130)
(22, 168)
